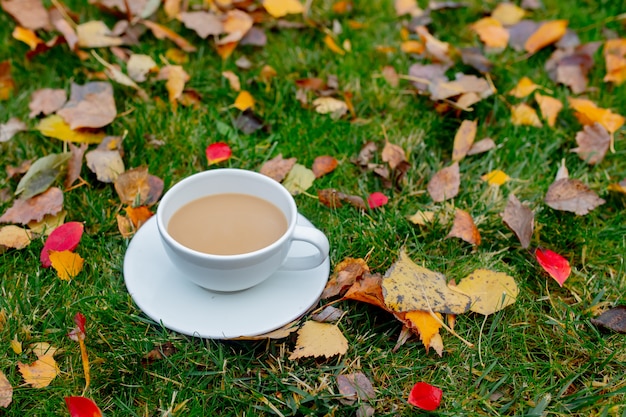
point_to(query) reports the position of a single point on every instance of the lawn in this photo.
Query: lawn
(540, 356)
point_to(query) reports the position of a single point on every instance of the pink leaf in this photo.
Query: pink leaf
(377, 199)
(218, 152)
(82, 407)
(554, 264)
(65, 237)
(425, 396)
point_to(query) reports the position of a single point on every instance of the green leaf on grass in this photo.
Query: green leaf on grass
(42, 174)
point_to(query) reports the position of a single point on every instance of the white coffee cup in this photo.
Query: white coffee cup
(238, 272)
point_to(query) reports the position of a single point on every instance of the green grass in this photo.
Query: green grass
(540, 356)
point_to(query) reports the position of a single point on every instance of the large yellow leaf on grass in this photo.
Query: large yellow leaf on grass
(280, 8)
(244, 100)
(524, 87)
(490, 291)
(67, 264)
(54, 126)
(40, 373)
(491, 32)
(508, 13)
(524, 115)
(427, 325)
(546, 34)
(319, 339)
(588, 113)
(16, 237)
(550, 108)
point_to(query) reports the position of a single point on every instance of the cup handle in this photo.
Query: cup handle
(314, 237)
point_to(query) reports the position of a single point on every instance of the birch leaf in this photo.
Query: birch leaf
(490, 291)
(319, 339)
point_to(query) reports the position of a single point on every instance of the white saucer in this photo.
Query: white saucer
(168, 298)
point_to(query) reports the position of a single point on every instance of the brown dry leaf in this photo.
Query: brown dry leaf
(280, 8)
(345, 274)
(323, 165)
(474, 57)
(329, 314)
(445, 184)
(125, 226)
(106, 164)
(10, 128)
(356, 387)
(233, 80)
(30, 14)
(391, 76)
(40, 373)
(366, 154)
(368, 290)
(35, 208)
(481, 146)
(546, 34)
(161, 32)
(443, 89)
(464, 139)
(91, 105)
(436, 50)
(7, 85)
(279, 333)
(524, 87)
(524, 115)
(426, 325)
(572, 195)
(66, 263)
(15, 237)
(319, 339)
(132, 186)
(277, 167)
(236, 24)
(6, 390)
(96, 34)
(393, 154)
(139, 66)
(408, 287)
(520, 219)
(46, 101)
(74, 164)
(491, 32)
(203, 23)
(508, 13)
(593, 143)
(464, 228)
(550, 108)
(588, 113)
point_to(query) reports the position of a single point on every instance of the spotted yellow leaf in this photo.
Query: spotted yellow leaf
(40, 373)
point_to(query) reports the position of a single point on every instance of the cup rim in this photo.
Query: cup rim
(163, 232)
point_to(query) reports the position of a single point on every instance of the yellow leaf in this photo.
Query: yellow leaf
(407, 7)
(319, 339)
(299, 179)
(408, 287)
(524, 115)
(491, 32)
(550, 108)
(244, 101)
(495, 177)
(427, 325)
(54, 126)
(524, 87)
(16, 346)
(330, 42)
(67, 264)
(588, 113)
(46, 225)
(490, 291)
(177, 56)
(280, 8)
(464, 139)
(619, 187)
(615, 60)
(326, 105)
(27, 36)
(96, 34)
(175, 77)
(508, 13)
(233, 80)
(546, 34)
(15, 237)
(422, 217)
(40, 373)
(412, 47)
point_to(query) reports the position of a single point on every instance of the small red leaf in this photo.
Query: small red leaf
(554, 264)
(80, 320)
(65, 237)
(218, 152)
(82, 407)
(425, 396)
(377, 199)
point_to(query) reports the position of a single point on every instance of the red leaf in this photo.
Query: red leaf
(82, 407)
(218, 152)
(65, 237)
(377, 199)
(425, 396)
(80, 320)
(554, 264)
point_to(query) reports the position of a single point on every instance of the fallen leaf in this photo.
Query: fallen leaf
(524, 115)
(330, 105)
(443, 89)
(550, 108)
(28, 13)
(520, 219)
(436, 49)
(96, 34)
(236, 24)
(16, 346)
(40, 373)
(619, 187)
(490, 291)
(244, 101)
(422, 218)
(588, 113)
(10, 128)
(464, 228)
(49, 222)
(35, 208)
(425, 396)
(425, 323)
(344, 276)
(391, 76)
(554, 264)
(280, 8)
(74, 164)
(474, 57)
(445, 184)
(615, 60)
(218, 152)
(481, 146)
(376, 200)
(572, 195)
(42, 174)
(64, 238)
(136, 187)
(175, 77)
(491, 32)
(408, 287)
(66, 263)
(15, 237)
(366, 153)
(329, 314)
(299, 179)
(323, 165)
(203, 23)
(124, 226)
(248, 122)
(82, 407)
(106, 164)
(27, 36)
(412, 46)
(158, 353)
(403, 7)
(393, 154)
(546, 34)
(524, 87)
(139, 66)
(277, 167)
(368, 290)
(7, 85)
(593, 143)
(495, 177)
(161, 32)
(612, 319)
(90, 105)
(233, 80)
(225, 50)
(6, 391)
(332, 45)
(319, 339)
(464, 139)
(355, 387)
(508, 13)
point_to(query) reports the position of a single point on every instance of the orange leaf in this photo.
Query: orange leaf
(7, 85)
(369, 290)
(491, 32)
(233, 80)
(588, 113)
(138, 215)
(464, 139)
(425, 323)
(550, 108)
(344, 276)
(330, 42)
(615, 59)
(67, 264)
(323, 165)
(464, 228)
(546, 34)
(244, 101)
(524, 115)
(524, 87)
(161, 32)
(40, 373)
(225, 50)
(412, 47)
(27, 36)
